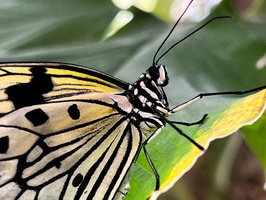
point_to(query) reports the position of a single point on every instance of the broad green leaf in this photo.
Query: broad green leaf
(221, 57)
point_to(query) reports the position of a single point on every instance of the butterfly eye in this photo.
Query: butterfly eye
(153, 72)
(159, 75)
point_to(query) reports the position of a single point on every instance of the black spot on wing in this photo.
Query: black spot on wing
(37, 117)
(4, 144)
(25, 94)
(77, 180)
(58, 165)
(74, 112)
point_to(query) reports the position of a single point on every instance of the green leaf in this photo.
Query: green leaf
(221, 57)
(255, 136)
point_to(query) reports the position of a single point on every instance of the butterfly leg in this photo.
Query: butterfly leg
(193, 123)
(164, 117)
(201, 95)
(155, 172)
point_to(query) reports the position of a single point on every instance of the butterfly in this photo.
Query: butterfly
(84, 129)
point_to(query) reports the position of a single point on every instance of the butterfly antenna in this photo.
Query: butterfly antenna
(166, 38)
(215, 18)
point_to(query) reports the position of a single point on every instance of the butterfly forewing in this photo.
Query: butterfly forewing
(30, 83)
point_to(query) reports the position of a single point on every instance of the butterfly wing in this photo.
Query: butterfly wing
(25, 84)
(72, 141)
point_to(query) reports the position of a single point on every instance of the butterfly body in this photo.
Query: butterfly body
(78, 135)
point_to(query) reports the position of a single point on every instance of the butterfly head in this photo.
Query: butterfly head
(148, 91)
